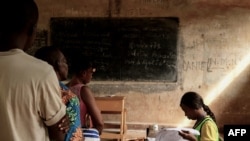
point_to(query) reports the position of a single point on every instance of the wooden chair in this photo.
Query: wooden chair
(113, 105)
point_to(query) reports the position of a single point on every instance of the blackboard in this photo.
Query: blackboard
(123, 49)
(41, 40)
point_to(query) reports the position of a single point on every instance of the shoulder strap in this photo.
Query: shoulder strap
(199, 126)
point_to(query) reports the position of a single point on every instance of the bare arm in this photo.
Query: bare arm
(89, 100)
(51, 108)
(58, 131)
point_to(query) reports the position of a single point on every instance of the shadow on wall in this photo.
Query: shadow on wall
(232, 105)
(229, 98)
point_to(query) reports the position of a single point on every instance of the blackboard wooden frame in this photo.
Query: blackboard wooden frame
(124, 49)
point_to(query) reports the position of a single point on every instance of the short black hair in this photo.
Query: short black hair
(80, 63)
(49, 54)
(17, 15)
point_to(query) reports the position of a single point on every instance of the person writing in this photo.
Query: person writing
(56, 58)
(30, 104)
(194, 108)
(82, 75)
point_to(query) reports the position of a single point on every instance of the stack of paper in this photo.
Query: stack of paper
(172, 134)
(191, 130)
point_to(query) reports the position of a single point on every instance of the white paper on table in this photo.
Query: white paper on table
(191, 130)
(172, 134)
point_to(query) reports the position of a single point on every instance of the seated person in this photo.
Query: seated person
(194, 108)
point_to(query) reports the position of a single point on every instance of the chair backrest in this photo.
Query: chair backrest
(113, 105)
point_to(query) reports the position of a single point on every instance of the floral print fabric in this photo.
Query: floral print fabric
(73, 111)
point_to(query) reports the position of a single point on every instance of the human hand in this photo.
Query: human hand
(187, 135)
(64, 124)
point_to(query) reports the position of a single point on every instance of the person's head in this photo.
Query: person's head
(193, 106)
(18, 23)
(55, 58)
(83, 69)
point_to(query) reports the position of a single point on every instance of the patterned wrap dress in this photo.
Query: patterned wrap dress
(73, 111)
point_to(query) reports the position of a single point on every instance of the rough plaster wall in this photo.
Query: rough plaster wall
(213, 42)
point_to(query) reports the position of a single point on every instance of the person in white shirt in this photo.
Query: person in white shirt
(30, 99)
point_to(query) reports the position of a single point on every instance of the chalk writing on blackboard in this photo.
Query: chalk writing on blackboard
(124, 49)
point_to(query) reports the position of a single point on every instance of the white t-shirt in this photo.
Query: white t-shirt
(30, 97)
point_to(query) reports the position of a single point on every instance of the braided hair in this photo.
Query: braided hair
(194, 100)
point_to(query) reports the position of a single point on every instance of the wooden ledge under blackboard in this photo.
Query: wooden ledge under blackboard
(114, 87)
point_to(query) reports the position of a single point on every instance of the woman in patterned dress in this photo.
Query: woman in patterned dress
(56, 58)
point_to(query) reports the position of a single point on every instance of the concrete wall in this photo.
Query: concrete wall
(213, 56)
